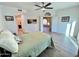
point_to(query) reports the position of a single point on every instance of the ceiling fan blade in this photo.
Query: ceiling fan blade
(37, 5)
(38, 9)
(42, 2)
(49, 8)
(47, 5)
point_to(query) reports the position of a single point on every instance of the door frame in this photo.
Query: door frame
(41, 23)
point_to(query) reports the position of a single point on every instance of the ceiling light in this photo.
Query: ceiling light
(43, 9)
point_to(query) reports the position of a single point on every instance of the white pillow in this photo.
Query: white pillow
(10, 34)
(7, 32)
(8, 42)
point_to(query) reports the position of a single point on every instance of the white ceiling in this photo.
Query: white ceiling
(30, 5)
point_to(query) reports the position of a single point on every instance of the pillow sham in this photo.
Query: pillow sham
(8, 42)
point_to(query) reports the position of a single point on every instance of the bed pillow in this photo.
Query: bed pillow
(7, 32)
(8, 42)
(16, 37)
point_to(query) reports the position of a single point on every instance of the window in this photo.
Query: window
(72, 28)
(68, 29)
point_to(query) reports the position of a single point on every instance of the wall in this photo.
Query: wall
(1, 21)
(73, 12)
(57, 25)
(9, 11)
(11, 25)
(39, 14)
(32, 27)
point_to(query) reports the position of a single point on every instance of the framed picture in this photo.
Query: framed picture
(9, 18)
(65, 19)
(31, 21)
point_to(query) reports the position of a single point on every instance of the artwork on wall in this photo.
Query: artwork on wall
(9, 18)
(65, 19)
(31, 21)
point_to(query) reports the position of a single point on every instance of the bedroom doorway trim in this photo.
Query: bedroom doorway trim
(41, 29)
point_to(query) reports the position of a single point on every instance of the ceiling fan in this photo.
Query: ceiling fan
(44, 6)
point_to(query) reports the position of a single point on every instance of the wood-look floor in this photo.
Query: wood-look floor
(63, 47)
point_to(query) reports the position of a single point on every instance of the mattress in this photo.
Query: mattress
(33, 44)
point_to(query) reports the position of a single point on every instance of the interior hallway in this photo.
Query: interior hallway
(63, 47)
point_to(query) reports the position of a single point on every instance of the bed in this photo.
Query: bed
(33, 44)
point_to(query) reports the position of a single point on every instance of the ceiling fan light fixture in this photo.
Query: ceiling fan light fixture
(44, 6)
(43, 9)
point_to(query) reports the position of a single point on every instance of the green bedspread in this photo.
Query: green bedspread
(33, 44)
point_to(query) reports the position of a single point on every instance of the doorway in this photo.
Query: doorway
(20, 24)
(47, 24)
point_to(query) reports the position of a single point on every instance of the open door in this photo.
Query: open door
(47, 24)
